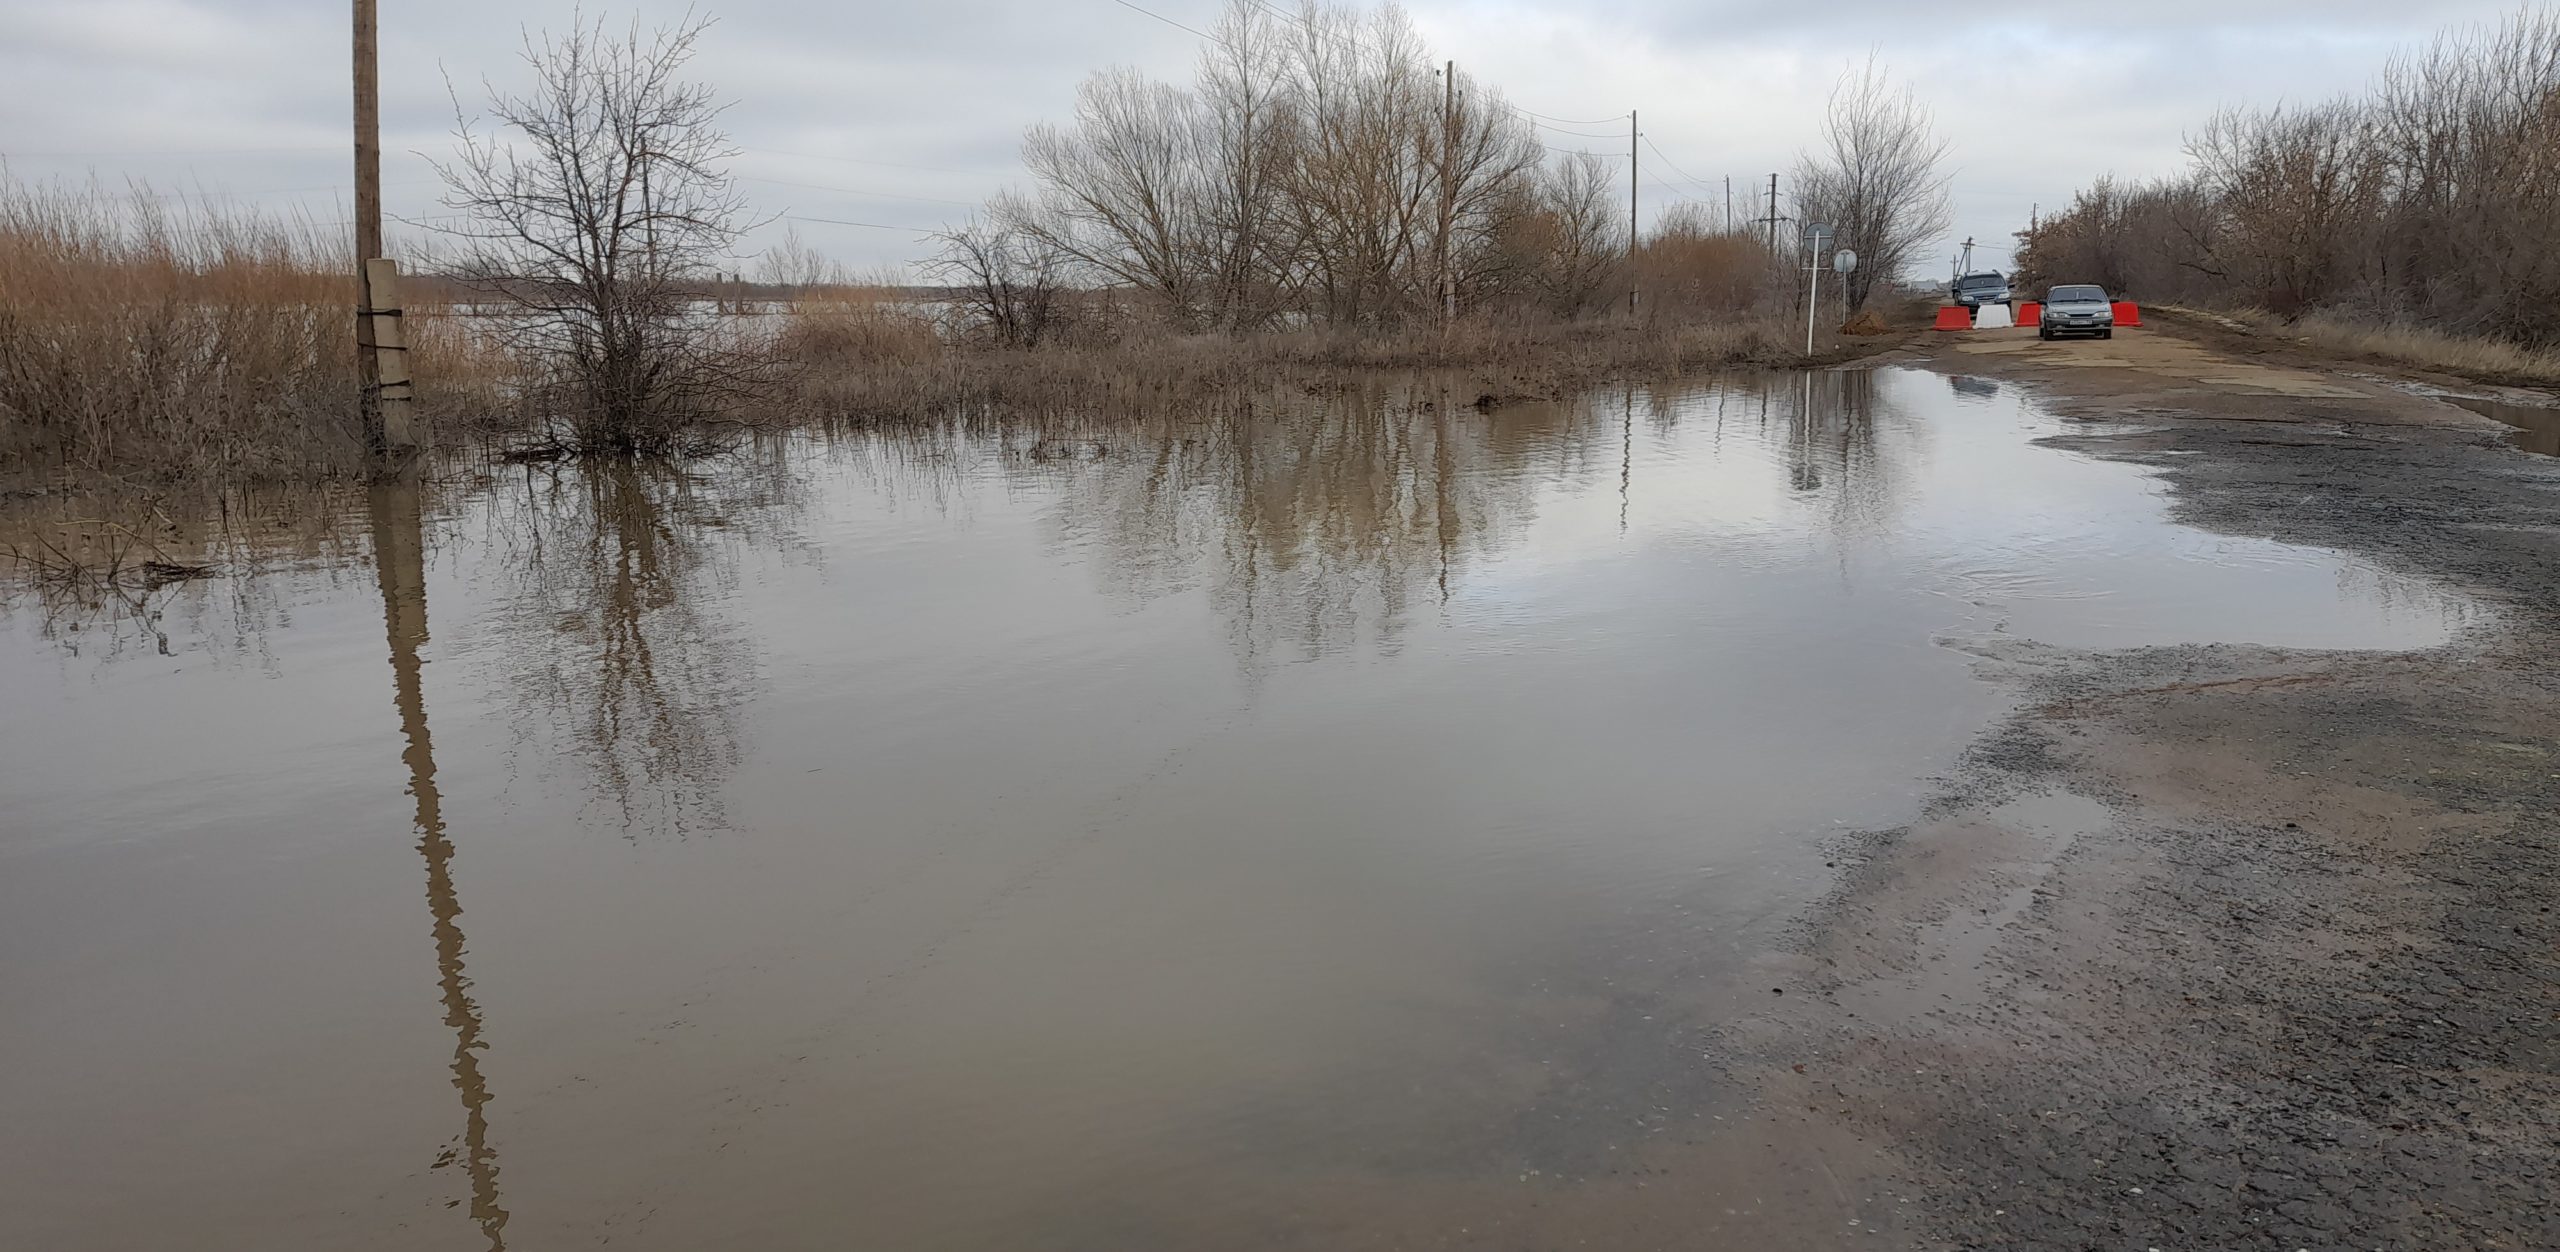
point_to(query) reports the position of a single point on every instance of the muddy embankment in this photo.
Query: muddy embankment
(2220, 947)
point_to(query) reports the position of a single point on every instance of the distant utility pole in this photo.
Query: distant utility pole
(1772, 219)
(1728, 204)
(1631, 210)
(382, 356)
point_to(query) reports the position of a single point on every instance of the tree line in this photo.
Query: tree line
(2431, 199)
(1319, 171)
(1316, 170)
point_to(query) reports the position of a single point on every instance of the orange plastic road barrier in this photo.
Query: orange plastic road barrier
(2128, 313)
(1954, 317)
(2030, 313)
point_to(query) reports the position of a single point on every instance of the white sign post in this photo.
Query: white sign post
(1813, 239)
(1842, 262)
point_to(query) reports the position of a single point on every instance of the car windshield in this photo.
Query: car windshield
(1972, 281)
(2062, 294)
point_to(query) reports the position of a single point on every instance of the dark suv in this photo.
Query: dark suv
(1975, 290)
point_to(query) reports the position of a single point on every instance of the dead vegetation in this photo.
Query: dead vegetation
(143, 332)
(2417, 223)
(852, 360)
(90, 570)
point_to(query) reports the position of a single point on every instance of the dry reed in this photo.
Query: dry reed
(160, 335)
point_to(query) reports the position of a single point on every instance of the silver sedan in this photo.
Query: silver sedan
(2077, 310)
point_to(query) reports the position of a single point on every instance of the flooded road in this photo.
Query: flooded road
(1335, 823)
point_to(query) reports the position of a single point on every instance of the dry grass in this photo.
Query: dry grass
(151, 334)
(876, 362)
(2472, 357)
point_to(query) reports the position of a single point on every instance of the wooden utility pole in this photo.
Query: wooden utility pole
(368, 139)
(1728, 204)
(1631, 210)
(382, 365)
(368, 215)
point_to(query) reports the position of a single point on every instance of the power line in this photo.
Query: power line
(67, 153)
(895, 165)
(1703, 185)
(1170, 22)
(854, 191)
(1569, 121)
(1564, 130)
(837, 221)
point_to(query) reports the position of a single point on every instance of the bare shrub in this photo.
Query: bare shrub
(1005, 279)
(598, 207)
(1693, 267)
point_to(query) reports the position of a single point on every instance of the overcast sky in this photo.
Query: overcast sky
(904, 114)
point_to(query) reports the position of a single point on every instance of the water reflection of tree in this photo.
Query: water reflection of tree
(1313, 521)
(116, 573)
(611, 642)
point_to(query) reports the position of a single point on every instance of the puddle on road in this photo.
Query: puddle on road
(1287, 827)
(2537, 429)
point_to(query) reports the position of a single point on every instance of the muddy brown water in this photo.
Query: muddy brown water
(2537, 427)
(1340, 823)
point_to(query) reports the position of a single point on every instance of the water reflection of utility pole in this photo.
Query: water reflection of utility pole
(399, 559)
(1444, 506)
(1626, 456)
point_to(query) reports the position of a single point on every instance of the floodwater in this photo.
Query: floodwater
(1341, 822)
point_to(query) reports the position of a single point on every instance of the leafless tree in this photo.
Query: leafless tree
(1360, 187)
(596, 200)
(1318, 167)
(2297, 188)
(1249, 129)
(1569, 234)
(795, 266)
(1006, 278)
(1877, 179)
(1478, 153)
(1123, 189)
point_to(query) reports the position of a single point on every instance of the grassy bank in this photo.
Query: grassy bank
(2471, 358)
(861, 365)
